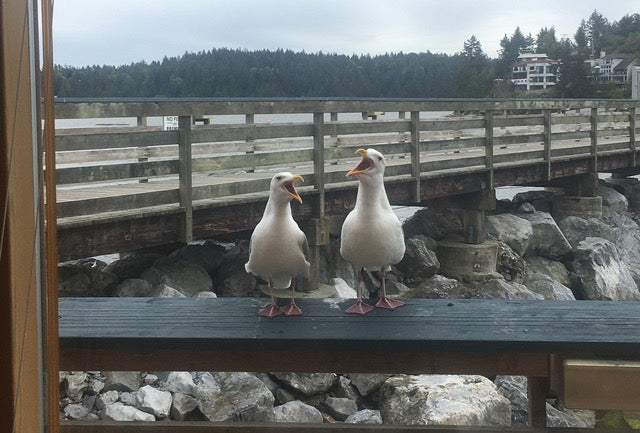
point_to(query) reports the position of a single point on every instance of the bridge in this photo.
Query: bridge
(121, 188)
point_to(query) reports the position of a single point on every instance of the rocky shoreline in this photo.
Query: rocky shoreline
(538, 258)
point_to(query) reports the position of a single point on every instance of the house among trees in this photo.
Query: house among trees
(612, 68)
(534, 72)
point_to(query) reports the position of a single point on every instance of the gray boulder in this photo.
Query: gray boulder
(552, 268)
(307, 383)
(345, 389)
(601, 273)
(547, 239)
(297, 411)
(577, 229)
(235, 397)
(419, 262)
(155, 401)
(180, 274)
(439, 287)
(120, 412)
(612, 200)
(627, 241)
(85, 278)
(133, 287)
(547, 287)
(365, 416)
(501, 289)
(180, 381)
(183, 406)
(340, 408)
(510, 264)
(76, 411)
(366, 383)
(122, 380)
(510, 229)
(514, 388)
(163, 290)
(443, 400)
(76, 384)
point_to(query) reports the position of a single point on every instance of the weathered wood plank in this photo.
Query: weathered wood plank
(107, 172)
(115, 140)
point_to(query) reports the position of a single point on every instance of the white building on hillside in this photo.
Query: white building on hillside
(535, 72)
(612, 68)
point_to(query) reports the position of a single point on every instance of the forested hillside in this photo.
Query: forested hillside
(470, 73)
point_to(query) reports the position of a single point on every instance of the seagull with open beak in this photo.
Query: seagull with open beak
(278, 249)
(372, 234)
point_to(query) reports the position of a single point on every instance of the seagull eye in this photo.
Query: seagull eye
(379, 158)
(278, 178)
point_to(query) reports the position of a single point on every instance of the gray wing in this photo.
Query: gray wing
(305, 246)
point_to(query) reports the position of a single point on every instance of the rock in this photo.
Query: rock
(85, 278)
(439, 287)
(95, 386)
(283, 396)
(366, 383)
(510, 229)
(419, 262)
(182, 382)
(514, 388)
(344, 389)
(121, 412)
(131, 265)
(547, 239)
(76, 411)
(165, 291)
(559, 419)
(424, 222)
(500, 289)
(510, 265)
(627, 241)
(632, 418)
(122, 380)
(237, 397)
(133, 287)
(205, 295)
(106, 398)
(297, 411)
(76, 385)
(601, 273)
(443, 400)
(149, 379)
(542, 200)
(612, 201)
(547, 287)
(154, 401)
(182, 275)
(182, 406)
(129, 398)
(365, 416)
(343, 290)
(553, 269)
(340, 408)
(208, 255)
(307, 383)
(577, 229)
(233, 280)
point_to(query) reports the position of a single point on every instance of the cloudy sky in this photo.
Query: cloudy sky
(117, 32)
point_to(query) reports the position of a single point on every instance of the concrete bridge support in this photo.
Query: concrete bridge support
(474, 258)
(580, 198)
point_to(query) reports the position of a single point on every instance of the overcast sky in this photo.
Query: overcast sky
(117, 32)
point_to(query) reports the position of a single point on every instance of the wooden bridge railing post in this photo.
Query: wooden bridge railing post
(317, 230)
(415, 154)
(488, 145)
(632, 134)
(249, 119)
(594, 140)
(547, 140)
(185, 234)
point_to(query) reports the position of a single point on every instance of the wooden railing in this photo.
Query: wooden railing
(119, 173)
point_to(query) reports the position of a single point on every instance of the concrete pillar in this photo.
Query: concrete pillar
(467, 262)
(583, 207)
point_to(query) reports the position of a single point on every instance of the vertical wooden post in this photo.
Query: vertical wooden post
(594, 140)
(632, 134)
(249, 119)
(185, 178)
(488, 145)
(415, 155)
(318, 161)
(547, 140)
(537, 397)
(334, 137)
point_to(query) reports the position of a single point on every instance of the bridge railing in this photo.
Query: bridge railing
(121, 172)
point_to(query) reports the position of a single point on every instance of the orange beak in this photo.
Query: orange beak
(291, 190)
(365, 164)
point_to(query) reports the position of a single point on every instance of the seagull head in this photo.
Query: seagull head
(282, 186)
(371, 164)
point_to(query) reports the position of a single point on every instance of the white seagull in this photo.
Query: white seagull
(278, 249)
(372, 234)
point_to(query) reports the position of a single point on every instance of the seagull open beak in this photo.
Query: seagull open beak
(365, 164)
(291, 190)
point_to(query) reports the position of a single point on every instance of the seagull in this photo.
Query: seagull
(278, 249)
(372, 234)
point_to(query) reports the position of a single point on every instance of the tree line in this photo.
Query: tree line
(470, 73)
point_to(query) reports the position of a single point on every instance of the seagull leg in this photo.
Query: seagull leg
(272, 309)
(359, 307)
(292, 309)
(385, 301)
